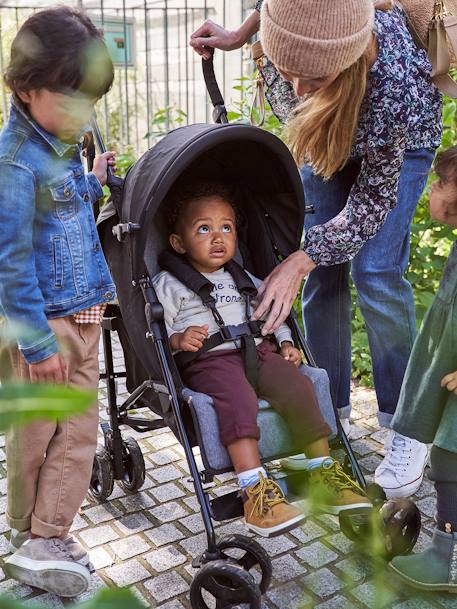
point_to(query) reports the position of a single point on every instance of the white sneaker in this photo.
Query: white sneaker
(347, 427)
(401, 471)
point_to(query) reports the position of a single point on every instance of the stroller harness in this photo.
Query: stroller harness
(246, 332)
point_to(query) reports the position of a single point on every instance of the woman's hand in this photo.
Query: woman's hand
(101, 164)
(278, 291)
(450, 382)
(290, 353)
(212, 35)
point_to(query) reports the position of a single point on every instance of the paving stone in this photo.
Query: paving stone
(427, 505)
(48, 600)
(4, 526)
(353, 568)
(194, 523)
(165, 558)
(4, 545)
(96, 536)
(164, 457)
(166, 533)
(323, 583)
(167, 492)
(133, 523)
(337, 602)
(162, 441)
(127, 573)
(316, 555)
(169, 511)
(129, 547)
(134, 503)
(195, 545)
(174, 604)
(100, 558)
(415, 603)
(276, 545)
(373, 595)
(371, 462)
(286, 568)
(340, 542)
(102, 513)
(447, 601)
(308, 532)
(96, 584)
(11, 588)
(166, 585)
(78, 523)
(289, 596)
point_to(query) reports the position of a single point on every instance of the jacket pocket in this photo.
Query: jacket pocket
(64, 196)
(57, 255)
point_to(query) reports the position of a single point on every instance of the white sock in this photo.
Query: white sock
(250, 476)
(315, 463)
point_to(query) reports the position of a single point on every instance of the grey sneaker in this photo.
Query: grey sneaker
(78, 553)
(47, 564)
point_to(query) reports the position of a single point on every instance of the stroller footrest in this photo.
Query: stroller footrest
(227, 506)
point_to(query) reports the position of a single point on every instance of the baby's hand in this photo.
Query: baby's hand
(290, 353)
(101, 164)
(190, 340)
(450, 382)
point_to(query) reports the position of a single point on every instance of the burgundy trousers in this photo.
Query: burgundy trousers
(221, 375)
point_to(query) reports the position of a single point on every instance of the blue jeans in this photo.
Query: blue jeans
(385, 297)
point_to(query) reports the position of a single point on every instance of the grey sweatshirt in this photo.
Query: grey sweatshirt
(183, 308)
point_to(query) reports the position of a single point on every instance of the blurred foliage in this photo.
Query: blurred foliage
(120, 598)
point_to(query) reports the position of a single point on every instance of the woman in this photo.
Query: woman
(367, 130)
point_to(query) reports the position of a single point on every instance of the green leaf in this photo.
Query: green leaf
(22, 403)
(115, 598)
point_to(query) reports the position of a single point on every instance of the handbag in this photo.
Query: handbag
(270, 86)
(433, 25)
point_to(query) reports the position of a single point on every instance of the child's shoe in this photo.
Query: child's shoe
(333, 491)
(433, 569)
(47, 564)
(78, 553)
(266, 511)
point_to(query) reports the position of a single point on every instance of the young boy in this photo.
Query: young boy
(54, 283)
(203, 228)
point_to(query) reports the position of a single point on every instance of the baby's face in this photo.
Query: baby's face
(206, 234)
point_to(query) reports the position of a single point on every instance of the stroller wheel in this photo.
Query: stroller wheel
(102, 480)
(249, 554)
(387, 532)
(134, 467)
(226, 583)
(402, 524)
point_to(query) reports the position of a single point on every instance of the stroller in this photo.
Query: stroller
(133, 232)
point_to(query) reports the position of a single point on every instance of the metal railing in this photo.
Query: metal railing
(158, 83)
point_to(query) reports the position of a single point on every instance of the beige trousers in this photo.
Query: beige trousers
(49, 463)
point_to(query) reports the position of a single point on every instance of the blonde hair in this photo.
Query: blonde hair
(321, 130)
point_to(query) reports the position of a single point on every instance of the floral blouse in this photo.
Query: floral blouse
(401, 111)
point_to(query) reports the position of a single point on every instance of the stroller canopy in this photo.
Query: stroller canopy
(269, 195)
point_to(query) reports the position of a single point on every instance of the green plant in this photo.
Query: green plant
(164, 120)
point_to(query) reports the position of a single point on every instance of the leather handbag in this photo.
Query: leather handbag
(433, 25)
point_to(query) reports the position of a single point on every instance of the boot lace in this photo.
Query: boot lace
(399, 453)
(57, 546)
(267, 494)
(336, 478)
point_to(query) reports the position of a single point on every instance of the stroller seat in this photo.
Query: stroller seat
(275, 439)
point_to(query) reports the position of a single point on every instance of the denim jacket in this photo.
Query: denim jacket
(51, 261)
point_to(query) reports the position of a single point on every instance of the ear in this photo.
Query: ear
(176, 243)
(24, 96)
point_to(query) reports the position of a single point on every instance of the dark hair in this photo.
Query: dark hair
(446, 165)
(61, 50)
(180, 197)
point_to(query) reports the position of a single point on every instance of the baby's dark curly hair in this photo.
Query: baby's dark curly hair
(180, 197)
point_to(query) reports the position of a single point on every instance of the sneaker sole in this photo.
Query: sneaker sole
(278, 529)
(64, 579)
(335, 510)
(402, 492)
(452, 588)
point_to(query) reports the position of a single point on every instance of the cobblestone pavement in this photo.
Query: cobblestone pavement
(148, 540)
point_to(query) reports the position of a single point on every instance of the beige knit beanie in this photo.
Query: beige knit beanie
(315, 37)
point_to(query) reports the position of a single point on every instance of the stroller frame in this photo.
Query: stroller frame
(127, 465)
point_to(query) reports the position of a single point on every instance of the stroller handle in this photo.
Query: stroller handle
(220, 111)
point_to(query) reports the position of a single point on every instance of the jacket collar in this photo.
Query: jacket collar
(19, 114)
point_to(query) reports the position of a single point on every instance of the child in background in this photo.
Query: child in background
(427, 409)
(54, 284)
(203, 228)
